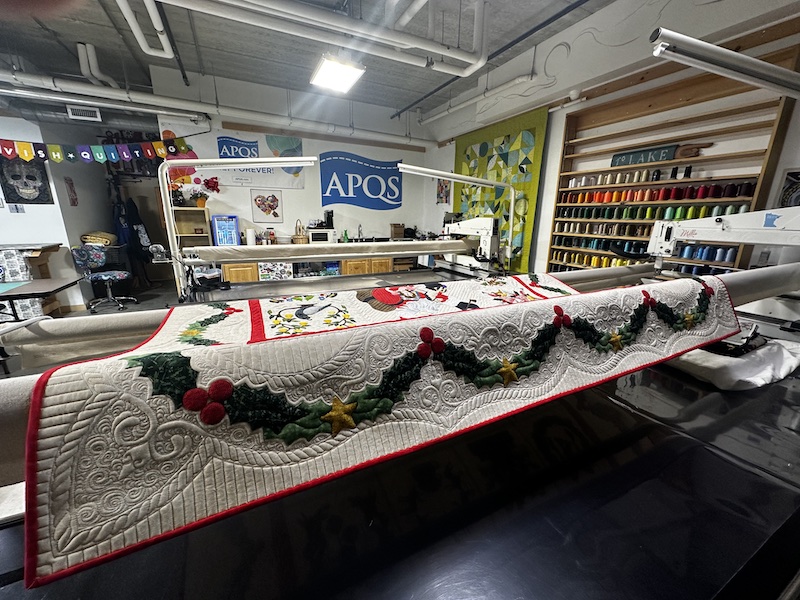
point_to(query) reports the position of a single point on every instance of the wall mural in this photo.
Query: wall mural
(510, 152)
(25, 182)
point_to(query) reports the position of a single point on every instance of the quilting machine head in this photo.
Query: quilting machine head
(487, 251)
(778, 227)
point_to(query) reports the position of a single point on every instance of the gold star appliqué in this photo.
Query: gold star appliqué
(616, 342)
(339, 416)
(508, 372)
(689, 320)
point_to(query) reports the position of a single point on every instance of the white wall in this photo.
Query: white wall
(93, 212)
(40, 223)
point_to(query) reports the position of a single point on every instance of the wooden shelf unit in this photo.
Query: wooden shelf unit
(595, 135)
(187, 220)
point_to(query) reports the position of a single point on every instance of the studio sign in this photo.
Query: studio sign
(231, 147)
(352, 179)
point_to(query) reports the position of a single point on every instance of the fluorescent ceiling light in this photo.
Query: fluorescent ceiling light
(720, 61)
(337, 74)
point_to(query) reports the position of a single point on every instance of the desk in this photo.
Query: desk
(36, 288)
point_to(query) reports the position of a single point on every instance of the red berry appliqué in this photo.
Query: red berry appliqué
(430, 344)
(209, 402)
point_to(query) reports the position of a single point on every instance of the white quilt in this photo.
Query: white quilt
(232, 403)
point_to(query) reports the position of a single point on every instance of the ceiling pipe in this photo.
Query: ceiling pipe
(410, 13)
(130, 17)
(83, 60)
(94, 67)
(488, 93)
(306, 14)
(84, 100)
(228, 11)
(432, 20)
(165, 103)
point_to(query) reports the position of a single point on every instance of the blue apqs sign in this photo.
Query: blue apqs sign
(352, 179)
(231, 147)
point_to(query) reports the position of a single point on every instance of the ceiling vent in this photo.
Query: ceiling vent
(84, 113)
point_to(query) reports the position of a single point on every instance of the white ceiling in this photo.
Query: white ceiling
(225, 48)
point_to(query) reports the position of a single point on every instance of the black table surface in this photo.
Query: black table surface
(653, 486)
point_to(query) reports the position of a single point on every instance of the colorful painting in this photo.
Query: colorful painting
(509, 152)
(267, 206)
(444, 189)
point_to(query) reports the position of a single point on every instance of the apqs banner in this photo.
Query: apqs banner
(226, 143)
(352, 179)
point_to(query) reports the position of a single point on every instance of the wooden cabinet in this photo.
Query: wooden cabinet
(364, 266)
(240, 272)
(191, 226)
(601, 207)
(380, 265)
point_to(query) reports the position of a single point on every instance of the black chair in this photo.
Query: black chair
(89, 257)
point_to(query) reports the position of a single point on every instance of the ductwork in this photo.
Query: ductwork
(158, 25)
(90, 67)
(323, 26)
(42, 114)
(94, 67)
(165, 103)
(83, 61)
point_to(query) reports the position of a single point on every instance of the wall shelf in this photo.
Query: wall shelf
(594, 135)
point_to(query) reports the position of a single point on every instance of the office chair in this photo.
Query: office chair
(88, 257)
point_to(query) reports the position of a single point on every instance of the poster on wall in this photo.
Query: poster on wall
(223, 143)
(25, 182)
(444, 188)
(511, 152)
(352, 179)
(267, 206)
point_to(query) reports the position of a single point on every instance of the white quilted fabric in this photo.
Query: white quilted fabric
(117, 465)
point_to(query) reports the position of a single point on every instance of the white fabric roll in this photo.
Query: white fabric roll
(250, 236)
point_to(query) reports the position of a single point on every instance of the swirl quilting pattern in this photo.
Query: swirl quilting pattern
(142, 444)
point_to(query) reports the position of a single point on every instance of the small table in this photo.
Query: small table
(36, 288)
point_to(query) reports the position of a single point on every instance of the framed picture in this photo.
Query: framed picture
(25, 182)
(225, 229)
(790, 190)
(267, 206)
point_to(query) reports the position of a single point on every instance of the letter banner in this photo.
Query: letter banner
(352, 179)
(40, 150)
(99, 154)
(160, 149)
(124, 153)
(182, 147)
(111, 152)
(25, 151)
(55, 153)
(148, 150)
(8, 149)
(85, 153)
(70, 153)
(172, 148)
